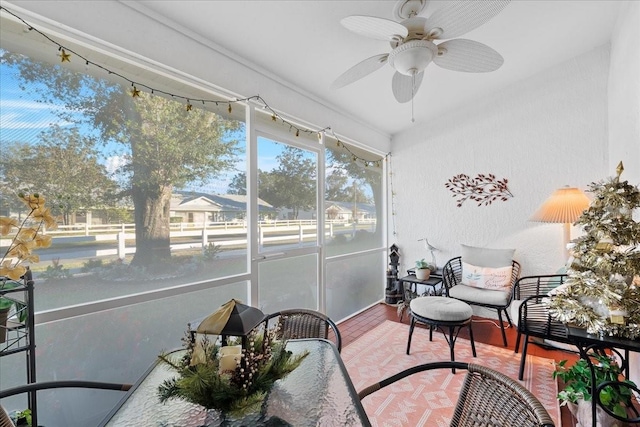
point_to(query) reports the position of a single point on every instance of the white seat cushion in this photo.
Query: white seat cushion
(441, 308)
(514, 308)
(479, 295)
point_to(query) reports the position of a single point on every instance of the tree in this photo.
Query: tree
(603, 286)
(238, 184)
(336, 185)
(341, 159)
(339, 189)
(163, 143)
(292, 184)
(63, 167)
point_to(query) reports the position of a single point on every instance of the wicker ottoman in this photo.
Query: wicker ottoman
(441, 313)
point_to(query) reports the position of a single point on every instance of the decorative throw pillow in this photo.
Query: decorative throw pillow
(487, 257)
(496, 279)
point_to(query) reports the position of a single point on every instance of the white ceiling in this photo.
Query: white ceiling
(303, 43)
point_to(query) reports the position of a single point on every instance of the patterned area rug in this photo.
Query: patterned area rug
(428, 399)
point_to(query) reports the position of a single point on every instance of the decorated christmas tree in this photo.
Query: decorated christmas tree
(602, 292)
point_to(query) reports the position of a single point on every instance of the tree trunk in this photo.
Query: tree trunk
(152, 210)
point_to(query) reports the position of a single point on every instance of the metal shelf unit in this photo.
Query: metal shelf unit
(20, 335)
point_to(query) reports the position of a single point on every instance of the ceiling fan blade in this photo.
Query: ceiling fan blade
(405, 87)
(360, 70)
(375, 28)
(468, 56)
(458, 17)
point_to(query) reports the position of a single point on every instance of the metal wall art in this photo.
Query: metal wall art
(483, 189)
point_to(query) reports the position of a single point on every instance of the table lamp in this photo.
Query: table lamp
(564, 206)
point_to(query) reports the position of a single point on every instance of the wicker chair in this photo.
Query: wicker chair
(303, 323)
(5, 421)
(453, 287)
(533, 317)
(487, 398)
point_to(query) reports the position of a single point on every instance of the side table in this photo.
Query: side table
(409, 284)
(586, 342)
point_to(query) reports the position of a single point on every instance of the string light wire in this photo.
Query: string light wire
(66, 53)
(393, 195)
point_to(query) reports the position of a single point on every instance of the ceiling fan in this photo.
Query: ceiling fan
(413, 42)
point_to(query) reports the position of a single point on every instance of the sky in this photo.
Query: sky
(23, 119)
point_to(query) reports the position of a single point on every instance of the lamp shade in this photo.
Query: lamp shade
(565, 205)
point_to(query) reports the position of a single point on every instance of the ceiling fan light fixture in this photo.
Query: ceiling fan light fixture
(412, 57)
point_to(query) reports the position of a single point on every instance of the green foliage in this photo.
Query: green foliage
(116, 215)
(6, 301)
(211, 251)
(238, 184)
(341, 157)
(296, 173)
(55, 271)
(577, 380)
(199, 380)
(66, 162)
(422, 264)
(22, 418)
(160, 145)
(338, 188)
(91, 265)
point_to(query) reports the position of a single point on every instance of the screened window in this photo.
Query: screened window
(158, 225)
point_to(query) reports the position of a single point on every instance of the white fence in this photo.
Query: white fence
(121, 237)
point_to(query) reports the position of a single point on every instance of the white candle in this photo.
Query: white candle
(229, 362)
(230, 349)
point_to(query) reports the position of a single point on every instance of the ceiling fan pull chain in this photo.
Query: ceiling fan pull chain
(413, 92)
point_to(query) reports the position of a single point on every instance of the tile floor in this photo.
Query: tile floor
(484, 330)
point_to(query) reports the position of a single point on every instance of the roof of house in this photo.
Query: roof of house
(195, 201)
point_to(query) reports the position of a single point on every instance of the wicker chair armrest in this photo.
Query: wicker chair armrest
(407, 372)
(305, 323)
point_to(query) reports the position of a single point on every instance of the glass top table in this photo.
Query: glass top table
(318, 393)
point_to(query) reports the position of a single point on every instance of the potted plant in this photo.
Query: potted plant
(22, 418)
(28, 236)
(576, 393)
(423, 269)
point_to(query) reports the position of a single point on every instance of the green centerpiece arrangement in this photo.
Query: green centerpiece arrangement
(230, 362)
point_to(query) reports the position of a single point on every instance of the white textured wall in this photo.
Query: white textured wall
(624, 92)
(624, 107)
(541, 134)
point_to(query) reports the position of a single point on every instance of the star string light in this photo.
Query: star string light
(65, 56)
